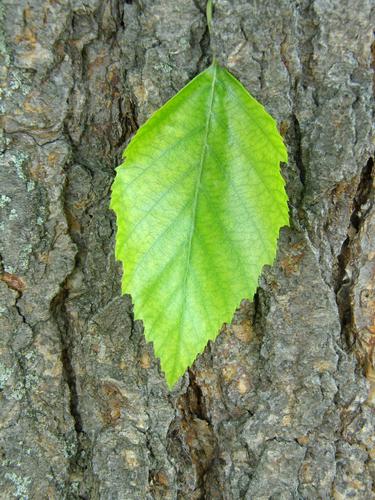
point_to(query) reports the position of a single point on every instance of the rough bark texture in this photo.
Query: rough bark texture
(281, 405)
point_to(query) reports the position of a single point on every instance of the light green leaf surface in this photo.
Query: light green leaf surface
(199, 201)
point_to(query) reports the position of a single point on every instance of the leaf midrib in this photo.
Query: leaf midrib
(196, 196)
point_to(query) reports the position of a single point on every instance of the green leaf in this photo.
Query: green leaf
(199, 203)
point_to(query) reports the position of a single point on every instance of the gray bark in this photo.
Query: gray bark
(281, 405)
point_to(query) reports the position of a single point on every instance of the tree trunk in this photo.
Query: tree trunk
(281, 405)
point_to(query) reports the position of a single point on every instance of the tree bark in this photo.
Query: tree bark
(281, 405)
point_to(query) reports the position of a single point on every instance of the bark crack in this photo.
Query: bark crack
(199, 435)
(298, 152)
(362, 204)
(204, 41)
(79, 461)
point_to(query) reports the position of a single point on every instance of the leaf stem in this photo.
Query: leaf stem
(209, 15)
(209, 26)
